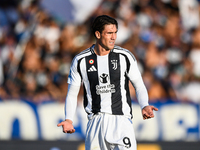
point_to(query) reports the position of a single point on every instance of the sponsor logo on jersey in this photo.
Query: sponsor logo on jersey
(92, 68)
(110, 88)
(105, 88)
(103, 78)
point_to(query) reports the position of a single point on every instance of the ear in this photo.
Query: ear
(98, 34)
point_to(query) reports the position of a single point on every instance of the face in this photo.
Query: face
(108, 36)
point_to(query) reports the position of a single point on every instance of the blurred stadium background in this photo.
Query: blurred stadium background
(38, 40)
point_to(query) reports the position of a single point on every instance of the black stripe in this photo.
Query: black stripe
(85, 101)
(128, 100)
(79, 67)
(126, 86)
(131, 55)
(93, 80)
(128, 64)
(115, 76)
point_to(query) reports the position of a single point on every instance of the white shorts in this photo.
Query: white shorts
(110, 132)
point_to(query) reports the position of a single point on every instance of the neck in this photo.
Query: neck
(99, 50)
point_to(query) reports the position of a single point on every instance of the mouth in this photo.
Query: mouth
(112, 43)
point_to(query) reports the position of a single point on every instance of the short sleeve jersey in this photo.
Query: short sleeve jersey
(105, 80)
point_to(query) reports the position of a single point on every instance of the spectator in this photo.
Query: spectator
(36, 49)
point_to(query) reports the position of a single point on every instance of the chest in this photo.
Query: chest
(103, 68)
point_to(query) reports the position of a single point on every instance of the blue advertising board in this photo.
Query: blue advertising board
(24, 120)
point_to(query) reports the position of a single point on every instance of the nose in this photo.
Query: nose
(114, 36)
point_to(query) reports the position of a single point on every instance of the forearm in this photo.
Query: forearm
(71, 101)
(141, 93)
(142, 97)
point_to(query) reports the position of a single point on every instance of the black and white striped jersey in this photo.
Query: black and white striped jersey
(106, 81)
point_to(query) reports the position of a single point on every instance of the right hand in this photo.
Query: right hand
(67, 126)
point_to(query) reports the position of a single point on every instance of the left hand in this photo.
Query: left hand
(147, 112)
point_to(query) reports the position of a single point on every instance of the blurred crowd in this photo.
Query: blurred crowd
(36, 49)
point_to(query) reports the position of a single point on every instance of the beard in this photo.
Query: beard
(107, 48)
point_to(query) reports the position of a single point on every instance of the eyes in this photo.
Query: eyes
(112, 32)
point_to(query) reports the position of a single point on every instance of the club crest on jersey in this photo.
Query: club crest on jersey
(103, 78)
(91, 61)
(114, 62)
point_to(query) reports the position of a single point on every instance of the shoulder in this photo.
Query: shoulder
(82, 55)
(123, 51)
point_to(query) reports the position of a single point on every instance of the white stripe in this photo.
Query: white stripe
(106, 97)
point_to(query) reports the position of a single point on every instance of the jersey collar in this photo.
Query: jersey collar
(92, 49)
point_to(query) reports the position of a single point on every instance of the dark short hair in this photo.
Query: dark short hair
(101, 21)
